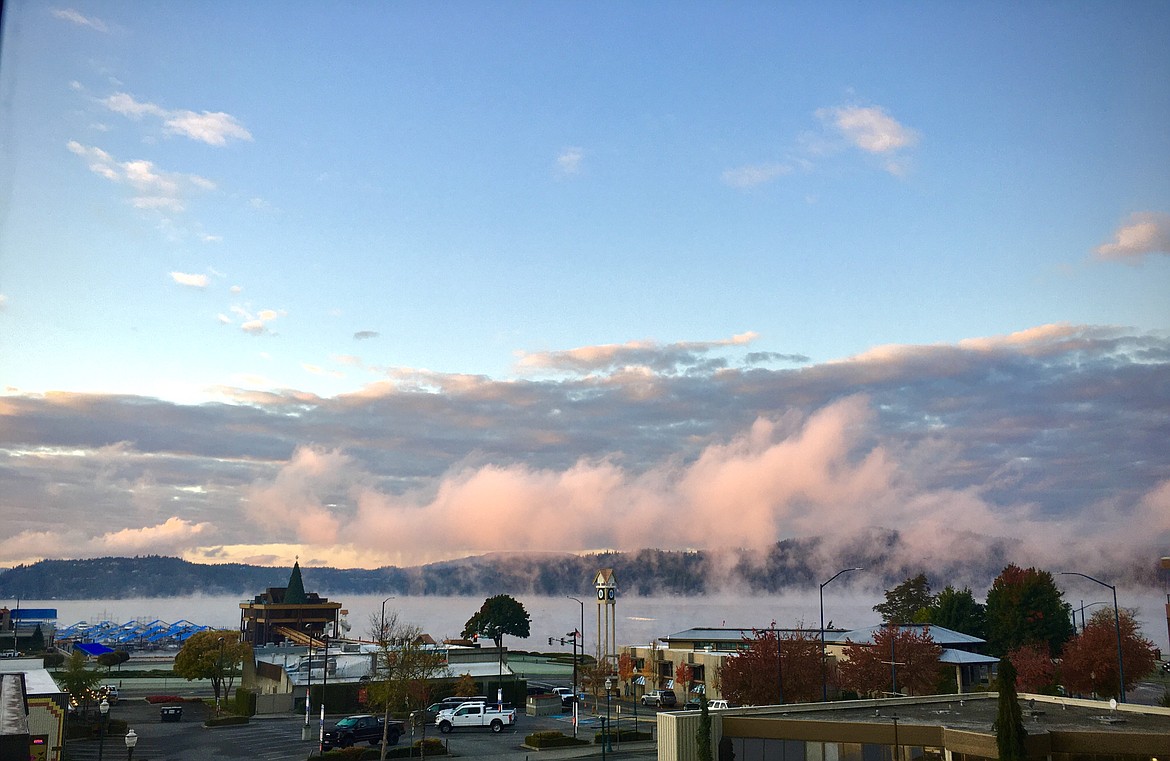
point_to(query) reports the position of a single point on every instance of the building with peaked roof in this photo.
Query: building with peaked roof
(287, 613)
(703, 650)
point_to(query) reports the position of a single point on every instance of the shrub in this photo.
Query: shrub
(551, 739)
(431, 747)
(624, 735)
(225, 721)
(245, 702)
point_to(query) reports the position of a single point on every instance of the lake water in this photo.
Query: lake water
(639, 619)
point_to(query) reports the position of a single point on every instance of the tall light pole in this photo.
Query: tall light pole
(605, 738)
(1082, 609)
(382, 629)
(581, 633)
(219, 674)
(308, 689)
(1116, 627)
(324, 690)
(824, 679)
(103, 711)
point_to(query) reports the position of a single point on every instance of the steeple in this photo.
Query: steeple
(295, 594)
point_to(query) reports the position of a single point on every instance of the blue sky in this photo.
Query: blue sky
(449, 216)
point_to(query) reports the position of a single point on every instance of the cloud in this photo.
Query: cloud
(254, 323)
(648, 354)
(153, 187)
(211, 127)
(1006, 447)
(753, 175)
(1143, 234)
(363, 335)
(3, 302)
(75, 17)
(190, 280)
(870, 129)
(569, 161)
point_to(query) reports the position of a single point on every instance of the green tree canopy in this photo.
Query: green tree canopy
(907, 602)
(213, 654)
(499, 615)
(77, 678)
(407, 667)
(958, 611)
(1024, 606)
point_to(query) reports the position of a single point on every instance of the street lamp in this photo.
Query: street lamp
(1116, 627)
(324, 691)
(308, 688)
(581, 634)
(219, 675)
(104, 711)
(131, 741)
(824, 679)
(1082, 609)
(605, 729)
(382, 630)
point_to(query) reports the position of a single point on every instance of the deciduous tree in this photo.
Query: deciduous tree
(907, 602)
(1035, 669)
(499, 615)
(1025, 606)
(406, 669)
(866, 666)
(1089, 663)
(749, 677)
(213, 654)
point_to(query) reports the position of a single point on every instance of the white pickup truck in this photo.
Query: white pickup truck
(476, 715)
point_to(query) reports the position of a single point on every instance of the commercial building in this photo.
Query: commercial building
(32, 711)
(928, 728)
(288, 613)
(703, 651)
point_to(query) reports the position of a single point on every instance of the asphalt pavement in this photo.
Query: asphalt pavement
(279, 737)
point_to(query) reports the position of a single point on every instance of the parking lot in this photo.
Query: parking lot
(280, 738)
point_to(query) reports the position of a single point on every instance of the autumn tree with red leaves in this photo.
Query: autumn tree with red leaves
(626, 668)
(1089, 664)
(1035, 670)
(683, 676)
(749, 677)
(865, 667)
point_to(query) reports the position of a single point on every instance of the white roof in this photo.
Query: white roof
(37, 681)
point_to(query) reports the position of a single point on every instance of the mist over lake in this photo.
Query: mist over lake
(639, 619)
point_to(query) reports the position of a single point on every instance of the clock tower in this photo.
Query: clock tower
(606, 584)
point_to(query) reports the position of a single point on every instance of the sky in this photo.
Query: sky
(388, 283)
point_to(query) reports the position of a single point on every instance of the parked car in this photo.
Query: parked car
(170, 713)
(476, 715)
(660, 698)
(361, 728)
(567, 695)
(716, 705)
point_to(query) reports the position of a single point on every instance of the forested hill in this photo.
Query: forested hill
(787, 564)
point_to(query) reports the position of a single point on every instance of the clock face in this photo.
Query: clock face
(600, 594)
(610, 592)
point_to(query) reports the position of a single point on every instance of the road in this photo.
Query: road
(273, 739)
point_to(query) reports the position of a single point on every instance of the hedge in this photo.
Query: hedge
(225, 721)
(428, 747)
(552, 739)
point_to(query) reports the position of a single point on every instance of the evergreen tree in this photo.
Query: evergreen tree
(1009, 720)
(703, 733)
(958, 611)
(907, 602)
(726, 749)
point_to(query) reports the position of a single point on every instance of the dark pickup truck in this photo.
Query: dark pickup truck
(364, 728)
